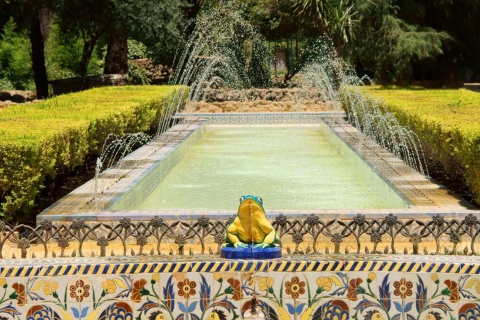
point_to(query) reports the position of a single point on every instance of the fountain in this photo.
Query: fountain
(113, 153)
(338, 263)
(213, 56)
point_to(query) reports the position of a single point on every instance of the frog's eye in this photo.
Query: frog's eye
(261, 200)
(242, 198)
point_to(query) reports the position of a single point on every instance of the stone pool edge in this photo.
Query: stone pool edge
(424, 197)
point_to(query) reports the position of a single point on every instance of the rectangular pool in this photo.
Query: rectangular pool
(292, 167)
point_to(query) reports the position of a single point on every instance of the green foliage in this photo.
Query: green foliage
(157, 24)
(87, 20)
(137, 74)
(274, 19)
(221, 49)
(386, 46)
(446, 121)
(460, 61)
(39, 139)
(136, 49)
(258, 69)
(334, 19)
(63, 55)
(15, 62)
(5, 84)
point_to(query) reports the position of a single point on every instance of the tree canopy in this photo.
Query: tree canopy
(392, 41)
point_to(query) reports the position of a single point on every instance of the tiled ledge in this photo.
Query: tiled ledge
(199, 263)
(199, 288)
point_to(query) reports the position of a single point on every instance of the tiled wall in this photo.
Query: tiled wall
(266, 118)
(314, 287)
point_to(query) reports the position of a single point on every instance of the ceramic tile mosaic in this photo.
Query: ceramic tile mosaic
(310, 287)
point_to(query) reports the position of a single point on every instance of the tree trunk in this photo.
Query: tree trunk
(45, 16)
(38, 58)
(88, 47)
(116, 60)
(191, 11)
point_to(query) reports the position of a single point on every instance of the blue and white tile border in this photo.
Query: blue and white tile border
(308, 287)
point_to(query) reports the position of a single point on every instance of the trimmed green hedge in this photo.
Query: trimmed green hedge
(447, 121)
(39, 139)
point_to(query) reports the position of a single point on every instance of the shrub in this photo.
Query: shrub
(40, 139)
(137, 74)
(446, 121)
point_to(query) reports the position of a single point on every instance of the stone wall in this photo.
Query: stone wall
(63, 86)
(156, 73)
(256, 94)
(9, 97)
(263, 100)
(260, 106)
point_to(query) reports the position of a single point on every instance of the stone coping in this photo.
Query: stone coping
(190, 215)
(198, 263)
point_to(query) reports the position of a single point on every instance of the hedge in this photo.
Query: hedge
(38, 140)
(447, 122)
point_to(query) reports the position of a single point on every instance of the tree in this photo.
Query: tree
(88, 19)
(15, 58)
(157, 24)
(334, 19)
(385, 45)
(39, 18)
(116, 59)
(28, 15)
(460, 60)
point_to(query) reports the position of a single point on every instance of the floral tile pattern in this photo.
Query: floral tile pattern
(372, 289)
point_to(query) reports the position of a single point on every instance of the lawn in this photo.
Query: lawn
(452, 109)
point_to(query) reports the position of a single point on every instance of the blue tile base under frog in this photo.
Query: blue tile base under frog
(251, 252)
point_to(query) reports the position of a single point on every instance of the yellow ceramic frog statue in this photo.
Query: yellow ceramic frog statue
(251, 226)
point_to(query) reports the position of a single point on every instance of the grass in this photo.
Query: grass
(452, 109)
(26, 123)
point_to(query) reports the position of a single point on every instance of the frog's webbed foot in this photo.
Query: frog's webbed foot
(240, 245)
(262, 245)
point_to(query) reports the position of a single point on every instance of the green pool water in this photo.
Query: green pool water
(291, 168)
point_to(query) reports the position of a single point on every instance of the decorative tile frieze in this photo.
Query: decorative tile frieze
(317, 287)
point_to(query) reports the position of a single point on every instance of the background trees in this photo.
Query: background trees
(30, 18)
(460, 60)
(392, 41)
(386, 47)
(82, 31)
(155, 23)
